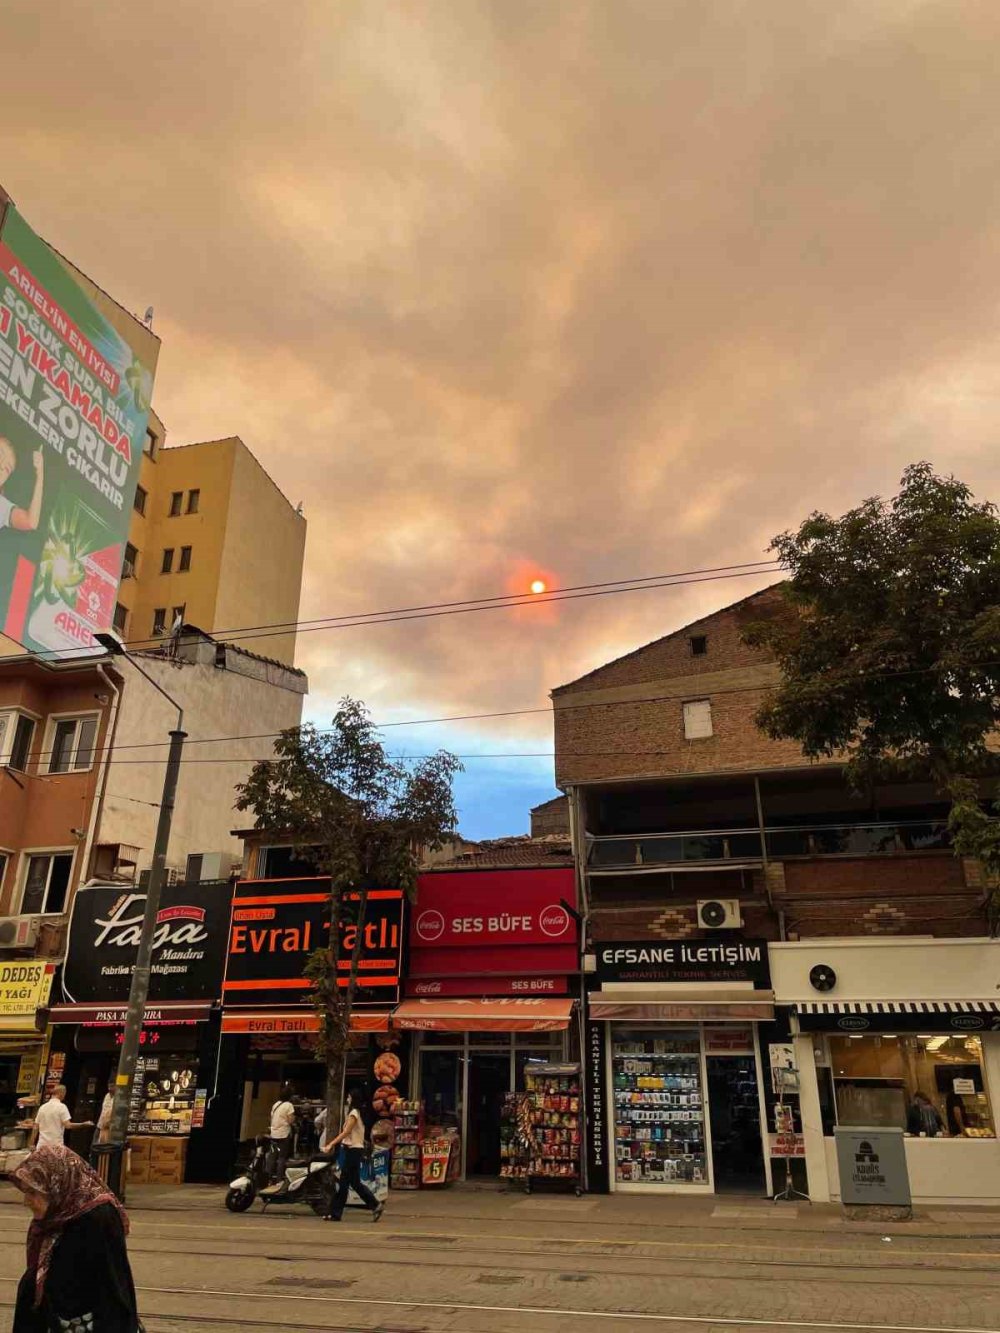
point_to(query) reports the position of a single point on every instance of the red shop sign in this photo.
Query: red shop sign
(479, 985)
(463, 909)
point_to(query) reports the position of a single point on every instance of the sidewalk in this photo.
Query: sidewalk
(603, 1212)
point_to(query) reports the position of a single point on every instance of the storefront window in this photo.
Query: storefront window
(931, 1085)
(659, 1106)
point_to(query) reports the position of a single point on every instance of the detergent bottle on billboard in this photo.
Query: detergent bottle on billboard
(76, 582)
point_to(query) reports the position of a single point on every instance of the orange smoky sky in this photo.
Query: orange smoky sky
(509, 290)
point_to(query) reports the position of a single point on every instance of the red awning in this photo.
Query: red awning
(114, 1015)
(275, 1022)
(483, 1015)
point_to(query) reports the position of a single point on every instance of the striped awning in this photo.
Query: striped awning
(900, 1015)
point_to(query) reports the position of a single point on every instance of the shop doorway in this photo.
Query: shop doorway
(734, 1112)
(489, 1081)
(441, 1083)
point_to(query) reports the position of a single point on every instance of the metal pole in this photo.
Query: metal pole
(118, 1129)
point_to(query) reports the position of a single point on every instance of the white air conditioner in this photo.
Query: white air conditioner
(719, 914)
(18, 932)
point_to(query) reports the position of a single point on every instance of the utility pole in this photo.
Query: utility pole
(139, 990)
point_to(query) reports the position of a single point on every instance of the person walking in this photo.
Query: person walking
(53, 1119)
(352, 1136)
(282, 1125)
(78, 1274)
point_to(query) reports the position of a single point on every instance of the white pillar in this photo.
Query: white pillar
(812, 1120)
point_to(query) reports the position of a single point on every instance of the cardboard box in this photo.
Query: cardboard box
(167, 1175)
(140, 1149)
(138, 1172)
(167, 1151)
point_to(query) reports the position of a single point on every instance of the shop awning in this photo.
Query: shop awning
(114, 1015)
(672, 1006)
(275, 1022)
(490, 1015)
(901, 1015)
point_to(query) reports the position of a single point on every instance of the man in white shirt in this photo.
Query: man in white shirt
(282, 1124)
(53, 1120)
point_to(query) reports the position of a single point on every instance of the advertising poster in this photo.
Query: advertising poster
(74, 401)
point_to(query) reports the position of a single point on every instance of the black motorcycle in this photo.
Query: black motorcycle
(309, 1180)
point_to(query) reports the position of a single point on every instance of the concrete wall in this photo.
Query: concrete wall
(216, 703)
(260, 580)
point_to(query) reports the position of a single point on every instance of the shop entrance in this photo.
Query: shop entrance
(489, 1079)
(734, 1115)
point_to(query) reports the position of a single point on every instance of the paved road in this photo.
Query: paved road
(485, 1263)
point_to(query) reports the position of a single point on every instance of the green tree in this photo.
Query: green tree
(888, 640)
(362, 819)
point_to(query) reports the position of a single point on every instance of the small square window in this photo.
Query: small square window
(46, 880)
(698, 719)
(121, 617)
(168, 560)
(139, 503)
(159, 621)
(16, 734)
(130, 562)
(176, 501)
(699, 645)
(194, 499)
(185, 563)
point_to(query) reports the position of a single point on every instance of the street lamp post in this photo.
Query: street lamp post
(139, 990)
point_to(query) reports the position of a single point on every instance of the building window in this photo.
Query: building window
(284, 863)
(185, 563)
(121, 618)
(159, 621)
(130, 562)
(926, 1084)
(192, 873)
(698, 719)
(699, 645)
(46, 881)
(152, 443)
(168, 560)
(139, 503)
(176, 500)
(177, 618)
(16, 734)
(4, 862)
(72, 747)
(194, 498)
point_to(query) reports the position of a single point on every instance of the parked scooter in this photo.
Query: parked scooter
(309, 1180)
(245, 1188)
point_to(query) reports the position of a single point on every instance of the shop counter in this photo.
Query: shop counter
(941, 1170)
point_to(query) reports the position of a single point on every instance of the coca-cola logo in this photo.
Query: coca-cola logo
(428, 988)
(553, 921)
(430, 926)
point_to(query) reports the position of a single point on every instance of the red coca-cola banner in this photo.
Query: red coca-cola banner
(497, 923)
(480, 985)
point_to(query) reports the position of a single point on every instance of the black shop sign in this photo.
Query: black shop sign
(278, 924)
(189, 947)
(711, 961)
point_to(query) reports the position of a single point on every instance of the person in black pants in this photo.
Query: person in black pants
(352, 1136)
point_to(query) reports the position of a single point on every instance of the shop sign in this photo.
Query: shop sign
(876, 1022)
(277, 925)
(711, 961)
(198, 1109)
(471, 986)
(459, 910)
(787, 1145)
(598, 1139)
(728, 1041)
(872, 1166)
(29, 1073)
(189, 946)
(24, 988)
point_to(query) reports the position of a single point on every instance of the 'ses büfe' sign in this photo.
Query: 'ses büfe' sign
(277, 925)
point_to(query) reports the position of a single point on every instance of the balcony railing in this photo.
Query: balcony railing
(743, 846)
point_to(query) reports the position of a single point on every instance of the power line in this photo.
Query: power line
(437, 609)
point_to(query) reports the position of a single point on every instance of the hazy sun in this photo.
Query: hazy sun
(539, 585)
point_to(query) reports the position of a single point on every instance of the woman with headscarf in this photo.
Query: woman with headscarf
(78, 1278)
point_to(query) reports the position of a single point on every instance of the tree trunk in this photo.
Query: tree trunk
(339, 1040)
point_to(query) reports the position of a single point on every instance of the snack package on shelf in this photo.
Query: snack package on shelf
(551, 1114)
(408, 1138)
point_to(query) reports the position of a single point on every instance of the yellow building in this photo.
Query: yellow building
(196, 551)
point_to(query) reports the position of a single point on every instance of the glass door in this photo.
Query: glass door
(659, 1108)
(489, 1081)
(441, 1080)
(734, 1110)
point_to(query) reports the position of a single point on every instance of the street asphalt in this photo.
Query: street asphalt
(482, 1260)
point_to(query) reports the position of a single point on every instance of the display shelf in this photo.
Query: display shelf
(550, 1119)
(659, 1111)
(408, 1136)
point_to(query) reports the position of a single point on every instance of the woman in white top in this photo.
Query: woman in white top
(352, 1136)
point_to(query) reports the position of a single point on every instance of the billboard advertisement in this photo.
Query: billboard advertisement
(74, 401)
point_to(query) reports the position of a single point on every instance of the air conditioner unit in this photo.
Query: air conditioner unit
(719, 914)
(18, 932)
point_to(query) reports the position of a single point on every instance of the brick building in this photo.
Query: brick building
(745, 909)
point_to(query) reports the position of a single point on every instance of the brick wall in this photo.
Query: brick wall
(626, 719)
(552, 817)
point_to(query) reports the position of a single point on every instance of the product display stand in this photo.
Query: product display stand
(550, 1116)
(790, 1193)
(407, 1145)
